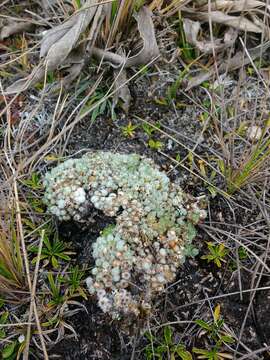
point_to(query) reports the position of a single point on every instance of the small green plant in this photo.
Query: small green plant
(242, 253)
(144, 69)
(52, 251)
(155, 144)
(215, 328)
(212, 354)
(249, 167)
(104, 108)
(36, 204)
(217, 336)
(187, 51)
(50, 79)
(34, 182)
(129, 130)
(216, 254)
(172, 89)
(73, 280)
(11, 351)
(165, 348)
(150, 129)
(56, 295)
(3, 321)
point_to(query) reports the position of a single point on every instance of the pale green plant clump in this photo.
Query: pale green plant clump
(154, 221)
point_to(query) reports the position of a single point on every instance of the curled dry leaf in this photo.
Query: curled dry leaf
(59, 41)
(73, 72)
(18, 86)
(73, 65)
(13, 27)
(149, 50)
(240, 59)
(146, 29)
(237, 22)
(122, 90)
(192, 29)
(57, 47)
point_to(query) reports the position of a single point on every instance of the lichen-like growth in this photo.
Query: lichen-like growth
(154, 220)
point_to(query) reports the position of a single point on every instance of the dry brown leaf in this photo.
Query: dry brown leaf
(192, 29)
(149, 50)
(66, 36)
(238, 60)
(96, 25)
(23, 84)
(53, 35)
(199, 79)
(13, 27)
(58, 45)
(47, 4)
(265, 72)
(73, 64)
(237, 22)
(121, 89)
(115, 60)
(146, 29)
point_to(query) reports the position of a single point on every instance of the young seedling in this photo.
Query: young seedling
(149, 129)
(56, 295)
(129, 130)
(165, 348)
(216, 254)
(52, 252)
(155, 144)
(104, 108)
(11, 349)
(34, 183)
(217, 336)
(73, 280)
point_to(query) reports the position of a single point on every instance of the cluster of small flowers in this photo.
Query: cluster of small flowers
(154, 219)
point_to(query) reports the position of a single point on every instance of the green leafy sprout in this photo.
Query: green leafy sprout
(129, 130)
(52, 251)
(217, 253)
(217, 335)
(165, 348)
(73, 280)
